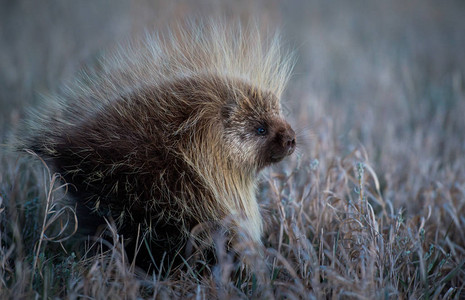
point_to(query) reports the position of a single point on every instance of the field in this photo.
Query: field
(371, 206)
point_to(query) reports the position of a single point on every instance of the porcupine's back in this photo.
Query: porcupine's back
(142, 137)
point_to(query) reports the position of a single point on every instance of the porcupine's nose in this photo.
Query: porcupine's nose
(289, 141)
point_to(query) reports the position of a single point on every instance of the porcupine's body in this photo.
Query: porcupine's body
(170, 133)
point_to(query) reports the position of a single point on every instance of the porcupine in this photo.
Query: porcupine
(169, 132)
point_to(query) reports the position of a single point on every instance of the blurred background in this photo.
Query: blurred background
(385, 75)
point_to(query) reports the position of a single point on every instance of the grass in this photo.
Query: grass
(371, 206)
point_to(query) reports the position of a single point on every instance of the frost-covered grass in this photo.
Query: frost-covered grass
(372, 205)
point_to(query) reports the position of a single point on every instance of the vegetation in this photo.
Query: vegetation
(371, 206)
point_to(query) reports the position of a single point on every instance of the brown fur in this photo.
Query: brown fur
(166, 153)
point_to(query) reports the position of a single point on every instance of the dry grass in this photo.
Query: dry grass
(372, 206)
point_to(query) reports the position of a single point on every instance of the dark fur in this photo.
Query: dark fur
(164, 158)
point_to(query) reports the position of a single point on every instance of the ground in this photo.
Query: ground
(371, 205)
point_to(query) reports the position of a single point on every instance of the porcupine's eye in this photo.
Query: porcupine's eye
(261, 130)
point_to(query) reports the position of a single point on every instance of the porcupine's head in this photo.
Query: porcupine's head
(255, 130)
